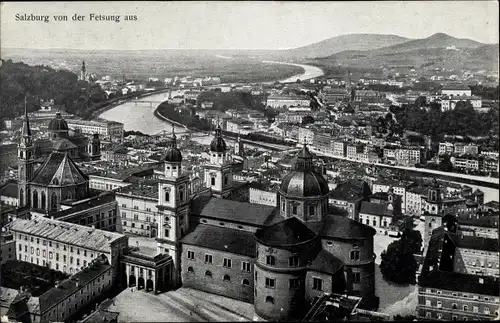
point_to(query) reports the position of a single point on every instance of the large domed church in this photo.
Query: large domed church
(281, 259)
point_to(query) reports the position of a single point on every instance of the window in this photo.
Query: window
(227, 262)
(190, 255)
(294, 283)
(428, 302)
(293, 261)
(487, 311)
(428, 315)
(245, 282)
(269, 299)
(466, 308)
(208, 259)
(439, 304)
(208, 273)
(212, 181)
(356, 277)
(440, 316)
(454, 306)
(317, 283)
(294, 209)
(167, 233)
(475, 309)
(355, 255)
(311, 210)
(226, 278)
(270, 260)
(270, 282)
(245, 266)
(167, 196)
(190, 269)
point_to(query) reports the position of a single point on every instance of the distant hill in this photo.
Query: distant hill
(344, 43)
(439, 40)
(426, 52)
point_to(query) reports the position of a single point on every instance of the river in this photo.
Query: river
(310, 72)
(138, 115)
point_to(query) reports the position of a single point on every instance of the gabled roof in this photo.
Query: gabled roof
(285, 233)
(59, 166)
(341, 227)
(228, 210)
(222, 239)
(63, 144)
(9, 189)
(325, 262)
(380, 209)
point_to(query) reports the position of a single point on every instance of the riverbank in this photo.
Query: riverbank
(162, 117)
(113, 105)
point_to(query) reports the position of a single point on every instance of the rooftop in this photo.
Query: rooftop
(222, 239)
(64, 232)
(341, 227)
(234, 211)
(101, 316)
(380, 209)
(143, 189)
(325, 262)
(101, 199)
(9, 189)
(73, 284)
(346, 192)
(285, 233)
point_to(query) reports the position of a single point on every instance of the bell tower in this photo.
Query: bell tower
(26, 155)
(173, 205)
(219, 172)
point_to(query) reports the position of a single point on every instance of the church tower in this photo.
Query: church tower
(219, 172)
(83, 72)
(94, 147)
(26, 155)
(173, 205)
(239, 147)
(433, 211)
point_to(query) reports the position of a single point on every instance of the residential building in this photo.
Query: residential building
(258, 196)
(111, 131)
(283, 101)
(64, 246)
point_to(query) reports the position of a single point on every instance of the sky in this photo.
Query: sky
(238, 25)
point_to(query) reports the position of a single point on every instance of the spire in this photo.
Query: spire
(83, 66)
(173, 144)
(26, 131)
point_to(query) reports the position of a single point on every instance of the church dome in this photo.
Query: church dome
(173, 154)
(58, 124)
(304, 181)
(218, 145)
(304, 184)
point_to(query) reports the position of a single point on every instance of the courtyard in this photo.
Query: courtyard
(181, 305)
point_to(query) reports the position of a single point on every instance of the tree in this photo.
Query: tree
(398, 264)
(445, 164)
(421, 101)
(307, 120)
(298, 81)
(413, 240)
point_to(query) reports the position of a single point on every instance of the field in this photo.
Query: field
(134, 64)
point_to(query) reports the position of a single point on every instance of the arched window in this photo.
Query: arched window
(35, 199)
(43, 200)
(269, 299)
(53, 201)
(190, 270)
(245, 282)
(226, 278)
(21, 197)
(181, 195)
(55, 181)
(167, 196)
(28, 197)
(69, 196)
(212, 181)
(208, 273)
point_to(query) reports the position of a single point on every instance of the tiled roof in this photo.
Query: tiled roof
(341, 227)
(64, 232)
(222, 239)
(68, 287)
(222, 209)
(380, 209)
(287, 232)
(346, 192)
(9, 189)
(326, 262)
(103, 198)
(59, 166)
(437, 270)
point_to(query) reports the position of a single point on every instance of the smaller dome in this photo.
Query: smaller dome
(218, 145)
(58, 124)
(304, 184)
(173, 155)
